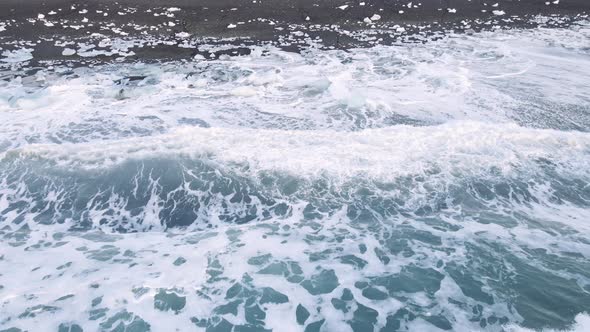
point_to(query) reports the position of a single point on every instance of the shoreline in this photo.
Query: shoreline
(140, 30)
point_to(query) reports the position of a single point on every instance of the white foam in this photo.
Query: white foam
(470, 147)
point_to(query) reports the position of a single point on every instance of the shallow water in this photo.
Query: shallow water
(425, 187)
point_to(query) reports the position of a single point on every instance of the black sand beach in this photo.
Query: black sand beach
(288, 24)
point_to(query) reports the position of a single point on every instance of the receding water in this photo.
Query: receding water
(426, 187)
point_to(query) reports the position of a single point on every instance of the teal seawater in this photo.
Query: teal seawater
(437, 186)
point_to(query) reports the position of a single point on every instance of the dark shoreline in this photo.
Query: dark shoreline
(175, 28)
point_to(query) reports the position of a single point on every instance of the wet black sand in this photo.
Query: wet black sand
(47, 25)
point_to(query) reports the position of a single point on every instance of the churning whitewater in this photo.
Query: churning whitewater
(430, 186)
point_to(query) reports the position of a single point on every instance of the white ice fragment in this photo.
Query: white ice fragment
(171, 24)
(307, 18)
(343, 7)
(498, 12)
(40, 16)
(367, 20)
(375, 17)
(452, 10)
(68, 52)
(401, 12)
(183, 34)
(20, 55)
(361, 4)
(173, 9)
(231, 26)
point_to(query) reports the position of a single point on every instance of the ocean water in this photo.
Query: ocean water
(413, 187)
